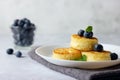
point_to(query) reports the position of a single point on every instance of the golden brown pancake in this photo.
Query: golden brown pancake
(66, 53)
(82, 43)
(97, 56)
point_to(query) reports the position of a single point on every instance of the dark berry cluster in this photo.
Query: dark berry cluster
(86, 33)
(23, 32)
(23, 23)
(10, 51)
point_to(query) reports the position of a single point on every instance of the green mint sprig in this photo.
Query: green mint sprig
(83, 58)
(89, 29)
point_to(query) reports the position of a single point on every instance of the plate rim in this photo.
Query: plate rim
(74, 60)
(77, 64)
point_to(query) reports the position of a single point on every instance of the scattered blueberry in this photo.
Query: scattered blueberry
(98, 47)
(18, 54)
(113, 56)
(88, 34)
(81, 32)
(10, 51)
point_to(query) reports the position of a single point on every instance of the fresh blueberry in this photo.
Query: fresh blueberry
(17, 37)
(21, 23)
(18, 54)
(27, 26)
(19, 43)
(33, 26)
(10, 51)
(81, 32)
(88, 34)
(26, 20)
(98, 47)
(113, 56)
(16, 22)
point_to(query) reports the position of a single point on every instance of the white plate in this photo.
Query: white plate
(46, 53)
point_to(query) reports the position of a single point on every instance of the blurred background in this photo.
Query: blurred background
(62, 16)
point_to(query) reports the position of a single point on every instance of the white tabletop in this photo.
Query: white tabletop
(13, 68)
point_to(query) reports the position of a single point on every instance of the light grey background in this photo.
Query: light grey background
(62, 16)
(56, 20)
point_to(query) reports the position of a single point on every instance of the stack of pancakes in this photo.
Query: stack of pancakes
(80, 46)
(86, 46)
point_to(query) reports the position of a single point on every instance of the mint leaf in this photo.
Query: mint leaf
(83, 58)
(89, 29)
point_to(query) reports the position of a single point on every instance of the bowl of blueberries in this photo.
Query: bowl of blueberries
(23, 32)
